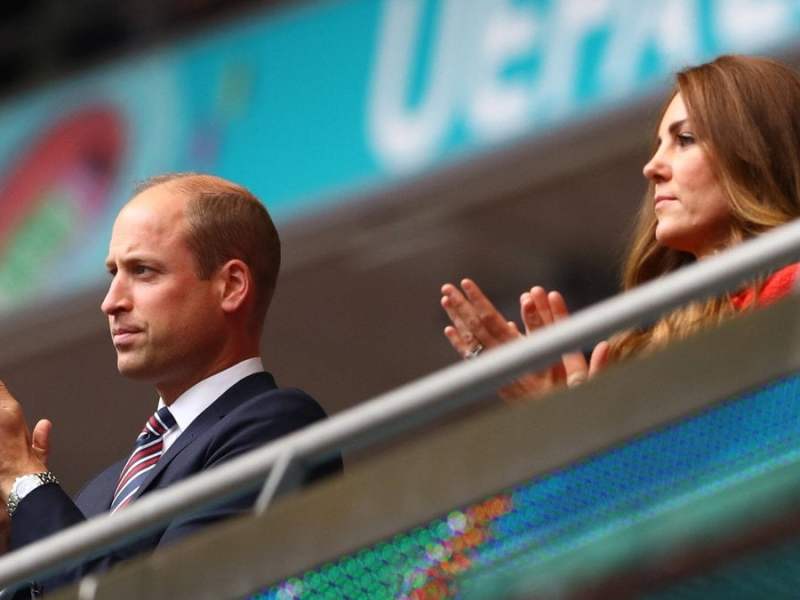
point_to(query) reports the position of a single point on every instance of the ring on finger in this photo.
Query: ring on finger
(474, 352)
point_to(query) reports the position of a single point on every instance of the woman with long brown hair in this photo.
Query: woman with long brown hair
(725, 168)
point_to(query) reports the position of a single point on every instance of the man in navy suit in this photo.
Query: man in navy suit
(193, 261)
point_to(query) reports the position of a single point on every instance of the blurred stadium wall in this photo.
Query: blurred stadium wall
(398, 143)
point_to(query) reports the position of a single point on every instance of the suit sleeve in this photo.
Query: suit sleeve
(48, 510)
(43, 512)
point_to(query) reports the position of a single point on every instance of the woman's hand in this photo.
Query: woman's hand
(538, 308)
(477, 325)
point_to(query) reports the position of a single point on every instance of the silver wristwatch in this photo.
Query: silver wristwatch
(24, 485)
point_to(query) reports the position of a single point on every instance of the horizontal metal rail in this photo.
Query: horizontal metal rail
(410, 405)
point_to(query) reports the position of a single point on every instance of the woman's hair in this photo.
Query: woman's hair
(745, 113)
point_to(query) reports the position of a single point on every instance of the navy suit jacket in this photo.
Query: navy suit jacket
(251, 413)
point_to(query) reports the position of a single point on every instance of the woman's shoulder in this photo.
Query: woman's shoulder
(775, 287)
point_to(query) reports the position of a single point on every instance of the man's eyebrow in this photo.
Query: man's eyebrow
(135, 259)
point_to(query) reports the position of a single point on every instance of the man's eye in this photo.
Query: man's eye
(141, 270)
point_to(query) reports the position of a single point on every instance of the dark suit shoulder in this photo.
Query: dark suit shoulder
(281, 402)
(267, 417)
(252, 413)
(258, 396)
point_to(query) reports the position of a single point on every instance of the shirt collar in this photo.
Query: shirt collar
(188, 406)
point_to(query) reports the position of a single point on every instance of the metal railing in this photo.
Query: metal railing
(405, 407)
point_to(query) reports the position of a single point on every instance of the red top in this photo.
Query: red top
(777, 285)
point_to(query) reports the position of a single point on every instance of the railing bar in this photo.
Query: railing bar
(273, 482)
(414, 403)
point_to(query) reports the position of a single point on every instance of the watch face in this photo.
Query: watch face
(27, 485)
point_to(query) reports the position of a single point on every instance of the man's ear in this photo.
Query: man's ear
(235, 285)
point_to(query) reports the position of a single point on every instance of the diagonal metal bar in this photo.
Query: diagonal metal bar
(279, 478)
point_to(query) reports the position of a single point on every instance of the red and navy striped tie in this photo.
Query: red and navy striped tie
(149, 448)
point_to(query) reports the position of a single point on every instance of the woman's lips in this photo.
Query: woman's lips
(662, 198)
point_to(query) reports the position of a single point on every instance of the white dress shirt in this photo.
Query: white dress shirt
(188, 406)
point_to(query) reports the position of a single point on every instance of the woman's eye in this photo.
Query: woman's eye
(685, 139)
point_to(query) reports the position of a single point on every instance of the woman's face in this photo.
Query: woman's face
(692, 212)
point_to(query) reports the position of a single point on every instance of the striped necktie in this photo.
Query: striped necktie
(149, 448)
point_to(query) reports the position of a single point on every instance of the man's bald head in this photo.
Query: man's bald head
(226, 221)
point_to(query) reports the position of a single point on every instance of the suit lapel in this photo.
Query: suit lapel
(238, 393)
(96, 497)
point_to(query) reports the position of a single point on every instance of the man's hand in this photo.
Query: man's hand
(20, 453)
(40, 443)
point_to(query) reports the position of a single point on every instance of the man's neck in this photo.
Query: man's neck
(171, 391)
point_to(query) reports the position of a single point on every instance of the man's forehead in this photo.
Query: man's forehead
(161, 203)
(165, 197)
(153, 216)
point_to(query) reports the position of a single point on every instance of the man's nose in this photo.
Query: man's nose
(117, 299)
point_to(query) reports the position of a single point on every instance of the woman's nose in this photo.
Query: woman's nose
(656, 169)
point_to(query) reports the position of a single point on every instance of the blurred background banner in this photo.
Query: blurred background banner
(311, 104)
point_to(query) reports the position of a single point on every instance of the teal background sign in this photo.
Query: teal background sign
(308, 105)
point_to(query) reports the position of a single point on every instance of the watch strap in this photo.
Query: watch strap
(30, 481)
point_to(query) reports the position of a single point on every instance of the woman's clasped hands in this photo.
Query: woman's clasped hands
(477, 326)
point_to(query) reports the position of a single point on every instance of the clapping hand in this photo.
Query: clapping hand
(21, 452)
(477, 325)
(539, 308)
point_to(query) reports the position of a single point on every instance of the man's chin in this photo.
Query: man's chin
(133, 369)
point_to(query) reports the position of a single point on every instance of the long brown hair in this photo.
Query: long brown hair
(745, 112)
